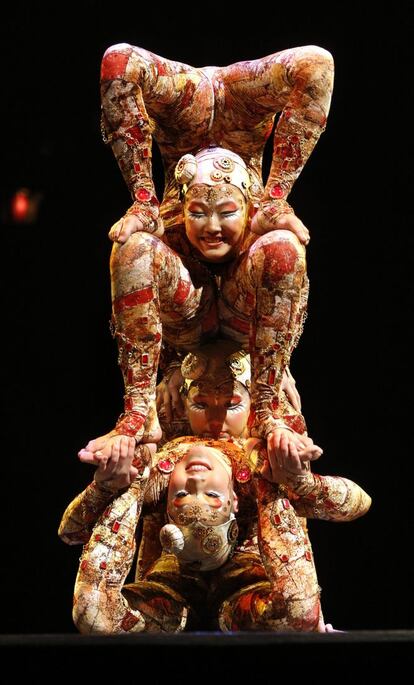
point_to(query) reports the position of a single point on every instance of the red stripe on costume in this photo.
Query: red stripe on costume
(182, 291)
(137, 297)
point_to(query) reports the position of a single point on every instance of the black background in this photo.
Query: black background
(62, 385)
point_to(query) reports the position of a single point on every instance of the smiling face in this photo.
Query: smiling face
(215, 219)
(200, 488)
(218, 412)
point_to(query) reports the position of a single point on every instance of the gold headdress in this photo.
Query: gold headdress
(213, 166)
(215, 364)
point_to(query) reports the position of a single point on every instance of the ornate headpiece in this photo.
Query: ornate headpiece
(198, 545)
(213, 166)
(217, 363)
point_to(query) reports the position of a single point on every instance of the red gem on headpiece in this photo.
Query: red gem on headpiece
(277, 191)
(165, 466)
(102, 565)
(286, 504)
(143, 194)
(116, 526)
(284, 558)
(277, 520)
(243, 475)
(98, 537)
(308, 555)
(144, 359)
(84, 565)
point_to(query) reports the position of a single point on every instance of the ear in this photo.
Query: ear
(235, 503)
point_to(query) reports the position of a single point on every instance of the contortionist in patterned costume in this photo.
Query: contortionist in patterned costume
(253, 574)
(220, 266)
(208, 576)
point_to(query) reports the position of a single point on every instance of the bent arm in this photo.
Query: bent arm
(83, 512)
(331, 498)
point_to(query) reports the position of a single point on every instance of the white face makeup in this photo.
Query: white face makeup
(218, 412)
(215, 221)
(200, 488)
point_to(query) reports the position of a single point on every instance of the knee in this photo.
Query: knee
(317, 54)
(314, 70)
(140, 246)
(115, 61)
(281, 254)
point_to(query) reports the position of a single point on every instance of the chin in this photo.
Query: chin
(216, 257)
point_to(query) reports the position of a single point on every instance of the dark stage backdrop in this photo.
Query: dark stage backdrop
(61, 383)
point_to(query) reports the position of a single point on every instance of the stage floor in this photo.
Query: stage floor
(242, 657)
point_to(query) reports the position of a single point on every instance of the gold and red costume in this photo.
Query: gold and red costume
(269, 583)
(161, 291)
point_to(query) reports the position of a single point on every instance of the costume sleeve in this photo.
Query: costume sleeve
(331, 498)
(99, 606)
(83, 512)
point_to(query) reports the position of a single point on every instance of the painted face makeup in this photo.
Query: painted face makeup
(218, 412)
(200, 488)
(215, 219)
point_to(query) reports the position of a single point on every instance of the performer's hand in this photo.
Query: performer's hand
(125, 227)
(117, 471)
(289, 450)
(168, 396)
(87, 453)
(289, 222)
(284, 461)
(125, 460)
(289, 387)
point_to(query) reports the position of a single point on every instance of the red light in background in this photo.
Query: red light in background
(20, 206)
(24, 206)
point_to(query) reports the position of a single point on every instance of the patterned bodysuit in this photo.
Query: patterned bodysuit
(161, 291)
(269, 583)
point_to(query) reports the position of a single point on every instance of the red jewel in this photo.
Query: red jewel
(294, 139)
(277, 191)
(144, 359)
(145, 152)
(137, 167)
(277, 519)
(116, 526)
(107, 510)
(102, 565)
(308, 556)
(276, 346)
(98, 537)
(84, 565)
(243, 474)
(284, 558)
(308, 134)
(286, 504)
(165, 466)
(143, 194)
(157, 337)
(271, 377)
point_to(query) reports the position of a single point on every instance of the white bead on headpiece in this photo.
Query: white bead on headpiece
(213, 166)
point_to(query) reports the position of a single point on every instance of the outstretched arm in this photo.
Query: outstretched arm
(112, 476)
